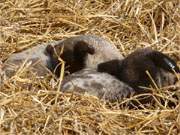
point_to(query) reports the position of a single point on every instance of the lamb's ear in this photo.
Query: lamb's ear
(82, 47)
(112, 67)
(163, 61)
(49, 50)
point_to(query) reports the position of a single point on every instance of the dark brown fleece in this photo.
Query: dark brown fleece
(132, 70)
(74, 56)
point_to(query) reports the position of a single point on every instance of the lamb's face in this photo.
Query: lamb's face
(98, 84)
(34, 57)
(74, 55)
(133, 69)
(159, 66)
(165, 78)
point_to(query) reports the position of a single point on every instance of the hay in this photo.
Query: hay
(32, 105)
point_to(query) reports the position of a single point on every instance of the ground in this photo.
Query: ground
(39, 108)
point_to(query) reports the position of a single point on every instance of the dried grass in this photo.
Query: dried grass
(31, 105)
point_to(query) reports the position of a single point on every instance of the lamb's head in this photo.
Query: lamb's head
(141, 66)
(164, 78)
(74, 55)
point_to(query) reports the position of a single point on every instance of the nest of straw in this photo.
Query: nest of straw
(32, 105)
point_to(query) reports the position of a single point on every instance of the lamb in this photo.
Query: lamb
(132, 69)
(84, 51)
(101, 85)
(79, 52)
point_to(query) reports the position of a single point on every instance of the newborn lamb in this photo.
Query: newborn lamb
(79, 52)
(133, 69)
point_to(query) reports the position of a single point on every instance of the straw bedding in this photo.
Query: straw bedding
(32, 105)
